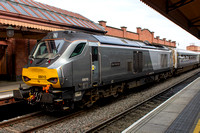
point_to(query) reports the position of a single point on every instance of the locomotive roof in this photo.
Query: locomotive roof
(103, 39)
(124, 42)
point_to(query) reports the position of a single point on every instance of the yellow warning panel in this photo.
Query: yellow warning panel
(197, 128)
(39, 76)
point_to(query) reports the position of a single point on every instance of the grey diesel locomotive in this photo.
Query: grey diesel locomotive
(68, 67)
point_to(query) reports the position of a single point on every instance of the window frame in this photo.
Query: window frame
(80, 52)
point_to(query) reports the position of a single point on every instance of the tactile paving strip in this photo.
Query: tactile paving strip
(184, 122)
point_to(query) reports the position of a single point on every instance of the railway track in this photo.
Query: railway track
(44, 121)
(54, 121)
(7, 100)
(19, 119)
(135, 112)
(35, 121)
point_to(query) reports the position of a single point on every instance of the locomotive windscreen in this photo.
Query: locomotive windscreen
(48, 49)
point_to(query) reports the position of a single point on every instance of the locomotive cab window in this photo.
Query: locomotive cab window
(94, 53)
(48, 49)
(78, 50)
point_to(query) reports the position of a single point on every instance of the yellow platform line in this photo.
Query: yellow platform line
(7, 90)
(197, 128)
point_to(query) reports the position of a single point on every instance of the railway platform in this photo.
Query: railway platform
(179, 114)
(6, 88)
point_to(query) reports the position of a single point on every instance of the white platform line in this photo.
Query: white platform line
(142, 120)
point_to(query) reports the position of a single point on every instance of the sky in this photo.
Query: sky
(128, 13)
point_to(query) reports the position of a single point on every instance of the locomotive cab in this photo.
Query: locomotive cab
(52, 73)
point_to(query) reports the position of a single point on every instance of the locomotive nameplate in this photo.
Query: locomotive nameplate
(42, 76)
(115, 64)
(85, 79)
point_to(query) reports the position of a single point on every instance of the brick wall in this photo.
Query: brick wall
(193, 48)
(114, 31)
(18, 51)
(22, 51)
(3, 68)
(141, 35)
(10, 59)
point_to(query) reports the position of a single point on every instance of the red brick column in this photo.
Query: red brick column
(102, 23)
(139, 33)
(124, 31)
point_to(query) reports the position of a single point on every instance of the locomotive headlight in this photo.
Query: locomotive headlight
(53, 80)
(26, 78)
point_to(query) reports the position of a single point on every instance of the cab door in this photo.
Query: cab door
(95, 64)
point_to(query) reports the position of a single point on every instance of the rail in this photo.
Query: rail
(7, 100)
(20, 118)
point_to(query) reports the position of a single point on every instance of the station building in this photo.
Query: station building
(24, 22)
(141, 35)
(193, 48)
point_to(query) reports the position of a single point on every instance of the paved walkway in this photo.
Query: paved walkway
(7, 87)
(179, 114)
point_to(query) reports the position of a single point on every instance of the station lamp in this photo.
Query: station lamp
(10, 31)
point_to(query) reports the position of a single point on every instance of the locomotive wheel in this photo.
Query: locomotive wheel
(92, 100)
(89, 104)
(89, 98)
(158, 80)
(116, 95)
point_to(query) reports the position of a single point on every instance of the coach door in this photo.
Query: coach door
(137, 61)
(95, 65)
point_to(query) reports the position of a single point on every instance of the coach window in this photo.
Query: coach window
(78, 50)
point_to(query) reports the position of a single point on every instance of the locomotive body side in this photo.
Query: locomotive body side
(109, 64)
(125, 63)
(67, 68)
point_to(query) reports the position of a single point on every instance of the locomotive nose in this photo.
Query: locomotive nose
(40, 76)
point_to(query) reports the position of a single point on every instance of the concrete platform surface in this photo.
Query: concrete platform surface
(6, 88)
(179, 114)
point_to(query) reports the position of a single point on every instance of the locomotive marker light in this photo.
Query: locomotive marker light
(10, 31)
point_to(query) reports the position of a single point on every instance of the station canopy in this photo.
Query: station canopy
(39, 16)
(185, 13)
